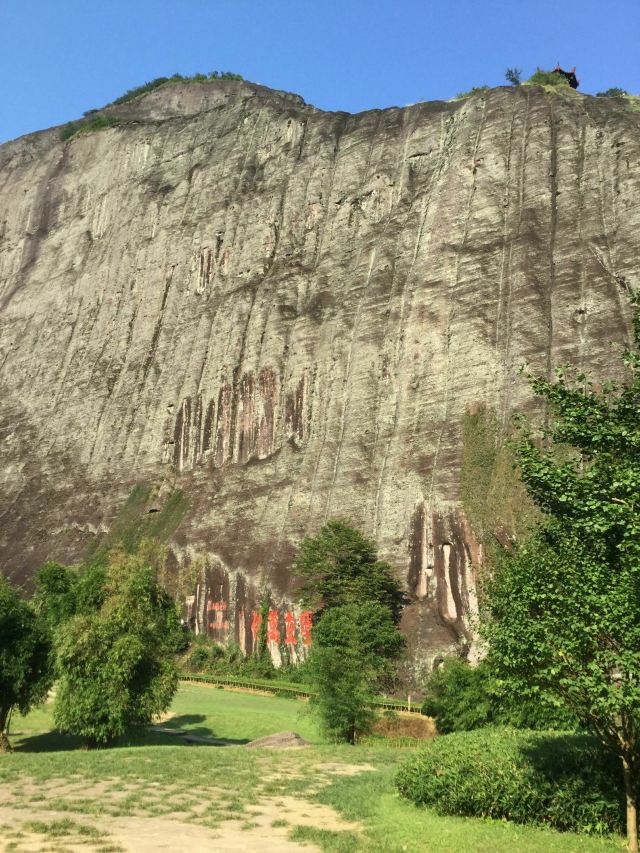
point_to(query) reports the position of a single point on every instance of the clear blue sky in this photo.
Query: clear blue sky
(59, 58)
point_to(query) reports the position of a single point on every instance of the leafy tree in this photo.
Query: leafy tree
(354, 647)
(115, 662)
(513, 76)
(564, 609)
(340, 566)
(25, 658)
(462, 697)
(56, 594)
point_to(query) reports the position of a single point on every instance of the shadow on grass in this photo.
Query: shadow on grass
(185, 720)
(186, 724)
(55, 741)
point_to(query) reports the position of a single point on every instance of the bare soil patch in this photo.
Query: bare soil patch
(142, 835)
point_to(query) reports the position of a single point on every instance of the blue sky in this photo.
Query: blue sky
(59, 58)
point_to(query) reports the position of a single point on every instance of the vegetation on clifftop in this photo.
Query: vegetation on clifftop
(89, 125)
(137, 91)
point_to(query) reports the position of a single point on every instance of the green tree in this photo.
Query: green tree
(513, 76)
(340, 566)
(354, 647)
(56, 594)
(564, 609)
(25, 658)
(115, 662)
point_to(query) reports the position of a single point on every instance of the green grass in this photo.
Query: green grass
(219, 713)
(476, 90)
(156, 775)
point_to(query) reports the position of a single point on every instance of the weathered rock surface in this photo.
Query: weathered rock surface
(285, 312)
(280, 740)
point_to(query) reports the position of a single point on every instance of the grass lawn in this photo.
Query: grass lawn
(211, 711)
(336, 798)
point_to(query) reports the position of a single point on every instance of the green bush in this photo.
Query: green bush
(567, 782)
(209, 657)
(463, 697)
(615, 92)
(547, 78)
(95, 122)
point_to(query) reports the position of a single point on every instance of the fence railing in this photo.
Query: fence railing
(282, 688)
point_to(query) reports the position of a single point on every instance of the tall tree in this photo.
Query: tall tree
(564, 609)
(25, 658)
(340, 566)
(354, 647)
(115, 661)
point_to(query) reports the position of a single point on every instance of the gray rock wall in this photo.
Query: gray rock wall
(286, 312)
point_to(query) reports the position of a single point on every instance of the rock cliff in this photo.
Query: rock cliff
(286, 312)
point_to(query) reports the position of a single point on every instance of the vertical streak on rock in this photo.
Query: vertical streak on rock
(507, 244)
(209, 425)
(450, 367)
(346, 396)
(223, 424)
(583, 318)
(506, 354)
(197, 430)
(553, 133)
(446, 138)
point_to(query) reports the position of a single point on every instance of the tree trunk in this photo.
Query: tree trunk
(632, 806)
(5, 716)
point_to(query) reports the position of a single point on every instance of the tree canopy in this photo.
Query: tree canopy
(354, 646)
(340, 566)
(563, 610)
(115, 661)
(25, 658)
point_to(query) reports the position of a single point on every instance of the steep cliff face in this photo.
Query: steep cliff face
(286, 312)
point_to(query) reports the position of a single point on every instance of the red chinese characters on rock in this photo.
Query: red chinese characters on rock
(273, 631)
(218, 608)
(256, 622)
(290, 628)
(305, 626)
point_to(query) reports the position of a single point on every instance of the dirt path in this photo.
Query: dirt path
(36, 830)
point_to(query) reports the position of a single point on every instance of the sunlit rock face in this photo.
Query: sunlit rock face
(286, 312)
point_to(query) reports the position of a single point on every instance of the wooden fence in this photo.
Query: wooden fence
(281, 688)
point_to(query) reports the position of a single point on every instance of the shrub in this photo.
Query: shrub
(95, 122)
(475, 91)
(208, 656)
(615, 92)
(547, 78)
(567, 782)
(463, 697)
(137, 91)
